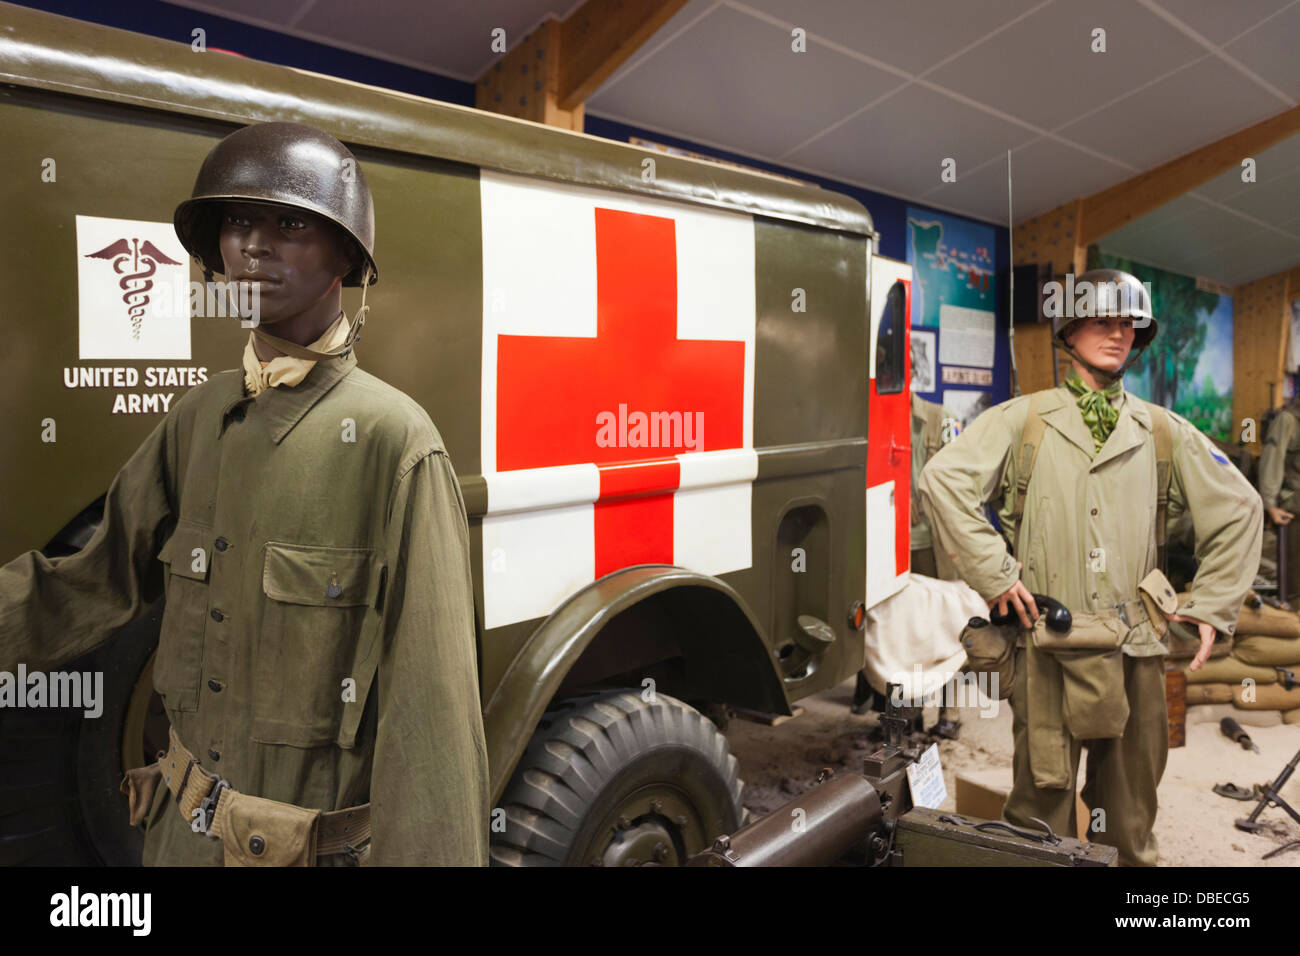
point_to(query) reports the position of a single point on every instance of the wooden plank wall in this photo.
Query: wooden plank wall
(1050, 237)
(524, 82)
(1261, 323)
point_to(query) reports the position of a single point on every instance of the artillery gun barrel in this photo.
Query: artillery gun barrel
(813, 829)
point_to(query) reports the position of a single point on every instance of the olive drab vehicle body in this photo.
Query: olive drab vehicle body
(652, 374)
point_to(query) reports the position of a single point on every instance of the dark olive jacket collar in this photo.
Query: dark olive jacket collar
(283, 406)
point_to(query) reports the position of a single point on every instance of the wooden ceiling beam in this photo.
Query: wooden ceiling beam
(599, 37)
(547, 76)
(1112, 208)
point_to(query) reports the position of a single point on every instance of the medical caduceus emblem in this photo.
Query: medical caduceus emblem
(143, 259)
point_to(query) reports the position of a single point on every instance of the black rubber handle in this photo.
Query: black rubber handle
(1058, 615)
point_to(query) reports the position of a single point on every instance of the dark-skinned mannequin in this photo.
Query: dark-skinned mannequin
(298, 260)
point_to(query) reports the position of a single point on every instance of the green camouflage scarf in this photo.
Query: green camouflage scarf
(1098, 414)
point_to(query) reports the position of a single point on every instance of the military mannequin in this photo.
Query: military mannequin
(317, 656)
(1082, 529)
(1279, 481)
(932, 428)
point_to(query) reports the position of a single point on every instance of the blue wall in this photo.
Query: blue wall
(170, 22)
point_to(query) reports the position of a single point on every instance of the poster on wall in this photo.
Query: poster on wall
(966, 404)
(954, 293)
(1189, 365)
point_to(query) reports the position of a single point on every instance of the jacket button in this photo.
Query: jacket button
(222, 544)
(1094, 510)
(213, 754)
(215, 686)
(256, 845)
(217, 616)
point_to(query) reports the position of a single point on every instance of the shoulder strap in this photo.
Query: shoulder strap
(1031, 439)
(1164, 456)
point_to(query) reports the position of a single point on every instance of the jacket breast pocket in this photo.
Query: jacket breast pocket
(179, 662)
(318, 602)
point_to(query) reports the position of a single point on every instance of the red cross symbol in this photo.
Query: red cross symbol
(550, 390)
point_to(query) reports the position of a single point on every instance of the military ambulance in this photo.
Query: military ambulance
(652, 374)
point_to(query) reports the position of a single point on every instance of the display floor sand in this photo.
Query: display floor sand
(1193, 827)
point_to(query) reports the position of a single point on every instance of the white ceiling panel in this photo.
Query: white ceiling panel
(1193, 107)
(760, 98)
(1209, 243)
(1279, 162)
(1037, 170)
(1221, 20)
(1041, 69)
(981, 193)
(1185, 220)
(890, 88)
(1271, 51)
(912, 35)
(901, 142)
(681, 21)
(1259, 255)
(1274, 202)
(450, 36)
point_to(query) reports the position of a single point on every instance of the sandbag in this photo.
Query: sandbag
(1291, 716)
(1267, 651)
(1184, 649)
(1213, 713)
(1230, 670)
(1265, 697)
(1209, 694)
(1269, 621)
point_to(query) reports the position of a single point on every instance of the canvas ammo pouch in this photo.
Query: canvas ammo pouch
(254, 831)
(1158, 599)
(1100, 631)
(258, 832)
(991, 649)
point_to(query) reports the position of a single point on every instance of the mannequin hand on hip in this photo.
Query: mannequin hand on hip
(1207, 639)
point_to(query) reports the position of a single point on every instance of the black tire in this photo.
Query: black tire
(60, 770)
(613, 779)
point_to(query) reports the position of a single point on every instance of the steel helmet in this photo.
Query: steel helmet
(1115, 293)
(284, 163)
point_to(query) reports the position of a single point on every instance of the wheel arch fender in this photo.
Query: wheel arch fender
(718, 634)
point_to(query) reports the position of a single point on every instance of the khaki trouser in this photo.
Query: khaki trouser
(923, 562)
(1123, 774)
(1268, 559)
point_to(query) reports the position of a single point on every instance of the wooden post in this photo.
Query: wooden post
(1176, 704)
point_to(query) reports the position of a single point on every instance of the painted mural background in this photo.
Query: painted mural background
(1188, 367)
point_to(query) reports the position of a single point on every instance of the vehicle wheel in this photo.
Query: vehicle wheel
(59, 800)
(610, 779)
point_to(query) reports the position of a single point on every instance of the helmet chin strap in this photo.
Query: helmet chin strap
(300, 351)
(1104, 377)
